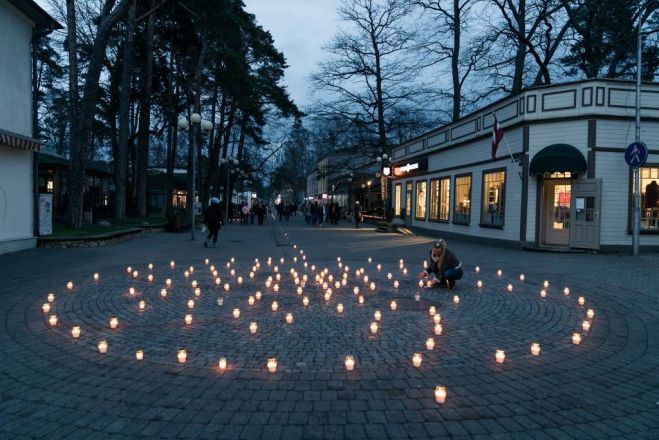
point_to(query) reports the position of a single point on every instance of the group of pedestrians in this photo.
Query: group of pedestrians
(214, 219)
(317, 214)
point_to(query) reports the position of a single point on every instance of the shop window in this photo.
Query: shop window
(421, 199)
(462, 200)
(649, 177)
(408, 199)
(439, 199)
(493, 199)
(397, 196)
(179, 199)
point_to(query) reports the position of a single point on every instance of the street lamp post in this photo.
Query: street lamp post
(227, 199)
(197, 124)
(385, 162)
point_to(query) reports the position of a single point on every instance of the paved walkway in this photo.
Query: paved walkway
(55, 386)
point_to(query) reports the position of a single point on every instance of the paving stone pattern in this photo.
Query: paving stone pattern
(55, 386)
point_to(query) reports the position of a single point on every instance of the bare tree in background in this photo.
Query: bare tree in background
(370, 70)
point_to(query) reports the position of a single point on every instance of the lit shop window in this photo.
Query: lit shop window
(440, 190)
(492, 211)
(421, 199)
(649, 198)
(397, 197)
(462, 200)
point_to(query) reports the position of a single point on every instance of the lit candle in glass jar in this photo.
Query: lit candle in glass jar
(272, 365)
(440, 394)
(377, 315)
(456, 299)
(141, 305)
(535, 349)
(299, 290)
(103, 347)
(350, 363)
(188, 319)
(275, 306)
(226, 287)
(250, 300)
(438, 329)
(582, 300)
(45, 307)
(432, 310)
(75, 332)
(305, 301)
(194, 283)
(139, 354)
(257, 295)
(172, 264)
(416, 360)
(478, 269)
(114, 322)
(373, 286)
(220, 301)
(545, 284)
(168, 282)
(389, 276)
(222, 364)
(394, 305)
(576, 338)
(51, 297)
(543, 293)
(136, 274)
(396, 284)
(275, 288)
(379, 267)
(360, 299)
(253, 327)
(236, 313)
(163, 293)
(430, 343)
(339, 308)
(566, 291)
(289, 318)
(132, 291)
(437, 318)
(129, 269)
(590, 313)
(150, 278)
(96, 276)
(420, 283)
(191, 304)
(197, 291)
(499, 272)
(405, 271)
(479, 284)
(374, 327)
(69, 285)
(585, 326)
(52, 320)
(500, 356)
(182, 356)
(509, 287)
(522, 277)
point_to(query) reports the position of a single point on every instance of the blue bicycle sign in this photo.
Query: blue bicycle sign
(636, 154)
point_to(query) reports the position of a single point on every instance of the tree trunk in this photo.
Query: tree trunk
(520, 57)
(455, 62)
(124, 105)
(74, 215)
(83, 120)
(191, 146)
(145, 120)
(382, 133)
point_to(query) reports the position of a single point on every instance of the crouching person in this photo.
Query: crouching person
(444, 267)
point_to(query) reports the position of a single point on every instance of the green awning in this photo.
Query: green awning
(558, 158)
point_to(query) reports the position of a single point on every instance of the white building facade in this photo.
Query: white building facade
(18, 21)
(559, 179)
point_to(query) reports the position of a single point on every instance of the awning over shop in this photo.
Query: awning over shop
(558, 158)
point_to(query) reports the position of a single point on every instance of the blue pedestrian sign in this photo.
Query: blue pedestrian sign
(636, 154)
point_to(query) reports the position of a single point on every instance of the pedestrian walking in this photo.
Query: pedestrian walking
(357, 212)
(213, 221)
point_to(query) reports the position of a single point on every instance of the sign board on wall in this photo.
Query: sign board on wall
(404, 169)
(45, 214)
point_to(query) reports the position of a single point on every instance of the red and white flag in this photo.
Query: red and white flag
(497, 135)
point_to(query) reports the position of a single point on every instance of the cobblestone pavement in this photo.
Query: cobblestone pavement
(55, 386)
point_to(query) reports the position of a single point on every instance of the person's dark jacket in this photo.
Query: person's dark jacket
(213, 218)
(451, 261)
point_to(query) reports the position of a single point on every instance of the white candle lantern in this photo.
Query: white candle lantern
(182, 356)
(576, 338)
(220, 301)
(232, 272)
(186, 274)
(438, 329)
(222, 364)
(191, 304)
(522, 277)
(168, 282)
(393, 305)
(535, 349)
(543, 293)
(509, 287)
(590, 313)
(132, 291)
(226, 287)
(257, 295)
(478, 269)
(52, 320)
(328, 295)
(276, 288)
(188, 319)
(136, 274)
(440, 394)
(350, 363)
(582, 300)
(253, 327)
(233, 260)
(456, 299)
(500, 356)
(374, 327)
(432, 310)
(250, 300)
(114, 322)
(163, 293)
(96, 276)
(75, 332)
(425, 264)
(360, 299)
(566, 291)
(197, 291)
(289, 318)
(420, 283)
(499, 272)
(272, 365)
(365, 279)
(370, 260)
(139, 354)
(240, 280)
(337, 285)
(379, 267)
(585, 326)
(102, 347)
(194, 283)
(129, 269)
(51, 297)
(191, 269)
(405, 271)
(437, 318)
(479, 284)
(299, 291)
(251, 275)
(275, 306)
(377, 315)
(396, 284)
(45, 307)
(355, 290)
(69, 285)
(416, 360)
(430, 344)
(305, 301)
(339, 308)
(172, 264)
(141, 305)
(373, 286)
(545, 284)
(150, 278)
(236, 313)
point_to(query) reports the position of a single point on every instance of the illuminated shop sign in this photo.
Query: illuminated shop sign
(410, 168)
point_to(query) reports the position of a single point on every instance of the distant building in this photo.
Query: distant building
(20, 20)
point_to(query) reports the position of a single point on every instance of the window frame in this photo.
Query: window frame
(439, 219)
(416, 200)
(630, 204)
(455, 189)
(503, 195)
(398, 191)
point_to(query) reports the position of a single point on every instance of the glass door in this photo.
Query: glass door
(556, 215)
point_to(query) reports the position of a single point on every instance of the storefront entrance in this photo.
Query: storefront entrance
(570, 213)
(408, 204)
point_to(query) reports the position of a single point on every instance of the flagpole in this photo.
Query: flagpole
(512, 158)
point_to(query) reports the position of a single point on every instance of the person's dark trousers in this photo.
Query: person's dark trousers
(212, 233)
(451, 275)
(357, 222)
(251, 218)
